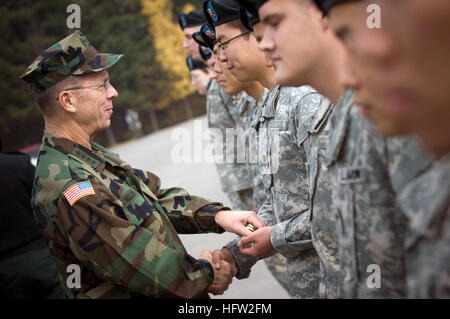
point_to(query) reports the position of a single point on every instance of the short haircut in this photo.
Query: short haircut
(46, 100)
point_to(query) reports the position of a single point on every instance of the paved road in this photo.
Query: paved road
(155, 153)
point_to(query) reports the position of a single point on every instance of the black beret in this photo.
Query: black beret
(195, 64)
(249, 13)
(218, 12)
(205, 52)
(325, 5)
(191, 19)
(206, 37)
(256, 3)
(198, 37)
(209, 35)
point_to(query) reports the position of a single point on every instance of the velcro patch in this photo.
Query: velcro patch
(77, 191)
(350, 175)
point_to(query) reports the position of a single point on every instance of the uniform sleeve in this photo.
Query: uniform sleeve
(244, 263)
(145, 257)
(188, 214)
(293, 236)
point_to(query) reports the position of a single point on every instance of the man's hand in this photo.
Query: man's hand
(235, 221)
(225, 254)
(223, 273)
(257, 244)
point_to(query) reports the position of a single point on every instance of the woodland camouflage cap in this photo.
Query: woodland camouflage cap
(73, 55)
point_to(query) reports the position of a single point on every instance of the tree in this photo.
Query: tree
(169, 52)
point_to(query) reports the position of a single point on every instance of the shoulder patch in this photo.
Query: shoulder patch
(77, 191)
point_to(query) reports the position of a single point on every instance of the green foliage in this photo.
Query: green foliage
(116, 26)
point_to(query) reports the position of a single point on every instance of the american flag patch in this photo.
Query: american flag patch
(77, 191)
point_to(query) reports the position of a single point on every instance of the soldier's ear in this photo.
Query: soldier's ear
(68, 101)
(325, 22)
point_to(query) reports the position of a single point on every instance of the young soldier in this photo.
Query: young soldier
(283, 122)
(413, 97)
(221, 112)
(323, 230)
(199, 74)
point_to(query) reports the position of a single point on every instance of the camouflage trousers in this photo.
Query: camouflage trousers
(277, 267)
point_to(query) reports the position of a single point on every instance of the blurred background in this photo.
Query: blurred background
(152, 79)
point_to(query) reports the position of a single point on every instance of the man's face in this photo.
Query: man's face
(226, 80)
(211, 62)
(368, 68)
(292, 37)
(242, 57)
(421, 29)
(258, 32)
(198, 79)
(189, 43)
(94, 105)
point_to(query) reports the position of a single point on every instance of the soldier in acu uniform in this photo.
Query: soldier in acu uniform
(369, 168)
(287, 21)
(409, 84)
(95, 210)
(284, 170)
(222, 114)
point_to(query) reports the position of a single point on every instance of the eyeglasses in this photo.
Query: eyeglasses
(104, 84)
(223, 46)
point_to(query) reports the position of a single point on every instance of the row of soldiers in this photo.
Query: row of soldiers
(354, 205)
(343, 186)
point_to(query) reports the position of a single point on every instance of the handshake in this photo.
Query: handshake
(254, 243)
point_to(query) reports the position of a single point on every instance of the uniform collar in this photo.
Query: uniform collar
(270, 105)
(340, 120)
(97, 158)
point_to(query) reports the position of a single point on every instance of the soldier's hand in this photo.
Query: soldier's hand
(224, 254)
(257, 244)
(235, 221)
(223, 273)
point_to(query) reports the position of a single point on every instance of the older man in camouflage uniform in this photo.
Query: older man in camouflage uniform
(96, 211)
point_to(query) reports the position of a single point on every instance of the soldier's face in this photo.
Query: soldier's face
(242, 56)
(211, 62)
(198, 80)
(292, 37)
(226, 80)
(189, 43)
(421, 29)
(258, 31)
(367, 68)
(94, 105)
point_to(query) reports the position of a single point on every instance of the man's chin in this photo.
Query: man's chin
(287, 78)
